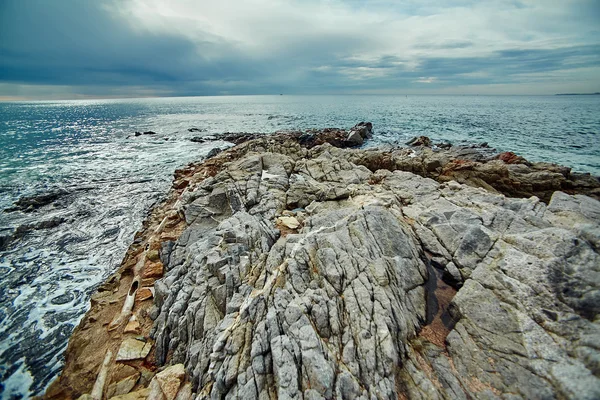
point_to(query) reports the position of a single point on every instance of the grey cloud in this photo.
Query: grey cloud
(80, 44)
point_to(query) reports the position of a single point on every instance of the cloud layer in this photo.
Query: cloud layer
(70, 48)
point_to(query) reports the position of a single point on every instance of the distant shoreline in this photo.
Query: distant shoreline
(578, 94)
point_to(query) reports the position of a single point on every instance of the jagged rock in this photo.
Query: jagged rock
(355, 138)
(133, 326)
(511, 158)
(335, 309)
(213, 152)
(352, 303)
(185, 393)
(144, 294)
(31, 203)
(365, 129)
(123, 384)
(165, 385)
(419, 141)
(153, 269)
(133, 349)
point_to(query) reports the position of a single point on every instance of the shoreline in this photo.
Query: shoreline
(135, 368)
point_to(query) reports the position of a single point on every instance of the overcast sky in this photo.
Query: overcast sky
(135, 48)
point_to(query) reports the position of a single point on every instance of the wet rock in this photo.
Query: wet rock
(213, 152)
(5, 240)
(197, 139)
(364, 128)
(354, 138)
(196, 130)
(31, 203)
(419, 141)
(133, 349)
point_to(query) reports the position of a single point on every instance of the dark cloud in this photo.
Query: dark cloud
(82, 45)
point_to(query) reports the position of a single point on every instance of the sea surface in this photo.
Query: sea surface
(109, 179)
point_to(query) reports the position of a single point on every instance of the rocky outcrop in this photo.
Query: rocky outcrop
(302, 270)
(33, 202)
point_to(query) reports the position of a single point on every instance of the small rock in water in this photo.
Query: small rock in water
(62, 299)
(30, 203)
(355, 138)
(364, 128)
(419, 141)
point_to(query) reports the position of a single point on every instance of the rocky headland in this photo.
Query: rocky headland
(296, 266)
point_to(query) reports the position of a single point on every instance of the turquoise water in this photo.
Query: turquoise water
(112, 179)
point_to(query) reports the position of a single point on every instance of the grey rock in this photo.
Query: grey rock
(336, 308)
(355, 138)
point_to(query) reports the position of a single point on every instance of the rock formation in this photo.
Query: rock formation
(297, 269)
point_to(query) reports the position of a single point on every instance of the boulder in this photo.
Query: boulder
(419, 141)
(355, 138)
(365, 129)
(213, 152)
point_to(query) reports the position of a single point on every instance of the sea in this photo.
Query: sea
(107, 179)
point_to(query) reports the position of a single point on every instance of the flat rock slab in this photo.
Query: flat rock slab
(133, 349)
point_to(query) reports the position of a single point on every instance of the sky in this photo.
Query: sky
(63, 49)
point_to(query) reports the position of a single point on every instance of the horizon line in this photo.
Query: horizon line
(8, 99)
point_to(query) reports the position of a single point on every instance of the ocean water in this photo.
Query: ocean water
(109, 180)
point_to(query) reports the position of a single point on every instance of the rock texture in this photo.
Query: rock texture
(302, 270)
